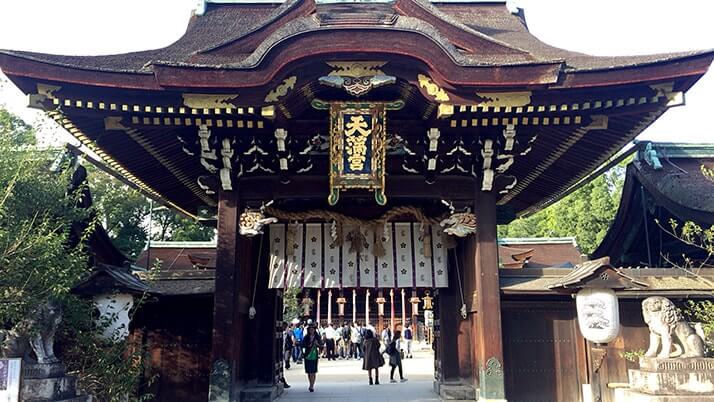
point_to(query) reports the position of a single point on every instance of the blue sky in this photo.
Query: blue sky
(604, 27)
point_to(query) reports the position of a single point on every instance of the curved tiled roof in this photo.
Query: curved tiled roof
(251, 29)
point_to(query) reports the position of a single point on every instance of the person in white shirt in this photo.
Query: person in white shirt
(330, 335)
(386, 335)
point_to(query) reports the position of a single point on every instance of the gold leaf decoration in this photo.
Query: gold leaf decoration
(432, 89)
(281, 90)
(209, 101)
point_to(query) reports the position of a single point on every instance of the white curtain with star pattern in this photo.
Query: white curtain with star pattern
(305, 256)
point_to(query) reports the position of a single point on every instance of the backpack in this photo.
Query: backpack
(391, 349)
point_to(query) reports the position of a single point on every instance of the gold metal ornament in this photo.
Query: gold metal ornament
(281, 90)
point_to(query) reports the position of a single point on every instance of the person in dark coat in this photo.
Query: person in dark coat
(373, 360)
(395, 357)
(311, 345)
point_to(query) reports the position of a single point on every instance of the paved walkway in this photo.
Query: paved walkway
(344, 381)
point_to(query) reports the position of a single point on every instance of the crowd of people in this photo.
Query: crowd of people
(305, 342)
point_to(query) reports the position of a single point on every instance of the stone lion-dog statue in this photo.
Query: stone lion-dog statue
(668, 328)
(36, 334)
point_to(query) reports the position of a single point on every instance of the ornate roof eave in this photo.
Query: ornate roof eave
(688, 65)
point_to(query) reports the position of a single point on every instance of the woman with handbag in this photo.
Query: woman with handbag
(311, 344)
(395, 357)
(373, 359)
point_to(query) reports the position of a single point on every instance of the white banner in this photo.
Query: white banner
(304, 256)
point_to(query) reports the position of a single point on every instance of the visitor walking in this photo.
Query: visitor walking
(373, 359)
(311, 345)
(340, 344)
(287, 350)
(298, 333)
(346, 335)
(355, 342)
(386, 335)
(330, 334)
(395, 357)
(408, 336)
(288, 343)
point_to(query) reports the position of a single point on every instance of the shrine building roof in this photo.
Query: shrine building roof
(241, 35)
(463, 71)
(666, 181)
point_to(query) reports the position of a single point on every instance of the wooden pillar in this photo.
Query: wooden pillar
(317, 310)
(415, 315)
(485, 312)
(453, 356)
(404, 311)
(224, 351)
(354, 306)
(258, 352)
(329, 307)
(391, 308)
(380, 311)
(366, 308)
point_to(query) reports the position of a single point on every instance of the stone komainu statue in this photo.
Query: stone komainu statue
(668, 328)
(35, 334)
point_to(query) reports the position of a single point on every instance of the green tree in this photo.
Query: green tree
(585, 214)
(124, 212)
(42, 257)
(172, 226)
(37, 258)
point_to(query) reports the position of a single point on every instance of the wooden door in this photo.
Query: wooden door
(543, 352)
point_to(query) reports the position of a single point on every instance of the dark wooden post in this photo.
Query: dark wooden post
(223, 351)
(452, 337)
(486, 322)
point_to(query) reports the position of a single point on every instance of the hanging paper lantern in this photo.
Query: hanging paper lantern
(380, 305)
(113, 312)
(598, 314)
(341, 301)
(415, 305)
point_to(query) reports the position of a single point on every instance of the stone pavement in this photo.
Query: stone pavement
(344, 380)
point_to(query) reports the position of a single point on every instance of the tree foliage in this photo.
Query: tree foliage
(172, 226)
(585, 214)
(37, 258)
(43, 256)
(124, 212)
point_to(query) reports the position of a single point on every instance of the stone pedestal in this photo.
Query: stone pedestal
(682, 379)
(454, 391)
(43, 382)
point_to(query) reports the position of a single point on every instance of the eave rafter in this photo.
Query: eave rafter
(110, 162)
